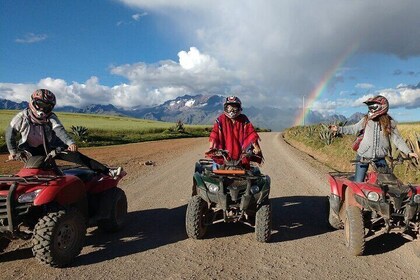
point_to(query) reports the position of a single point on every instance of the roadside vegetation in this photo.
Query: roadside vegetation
(336, 152)
(101, 130)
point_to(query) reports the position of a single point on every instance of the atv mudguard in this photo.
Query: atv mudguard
(265, 190)
(199, 187)
(64, 190)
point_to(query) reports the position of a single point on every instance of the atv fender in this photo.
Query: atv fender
(265, 190)
(198, 182)
(350, 199)
(334, 187)
(64, 190)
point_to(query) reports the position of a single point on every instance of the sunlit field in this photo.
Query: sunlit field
(111, 130)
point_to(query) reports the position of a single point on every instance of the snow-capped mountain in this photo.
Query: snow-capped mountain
(199, 109)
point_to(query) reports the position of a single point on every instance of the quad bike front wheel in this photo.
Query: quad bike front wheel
(59, 237)
(263, 223)
(354, 230)
(114, 202)
(195, 217)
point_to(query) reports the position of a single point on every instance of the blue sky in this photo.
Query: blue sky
(269, 53)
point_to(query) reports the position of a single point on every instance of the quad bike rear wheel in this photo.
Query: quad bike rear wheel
(59, 237)
(354, 230)
(263, 223)
(195, 217)
(114, 202)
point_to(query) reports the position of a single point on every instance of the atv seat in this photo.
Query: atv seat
(82, 173)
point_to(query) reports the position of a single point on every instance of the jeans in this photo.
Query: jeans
(361, 168)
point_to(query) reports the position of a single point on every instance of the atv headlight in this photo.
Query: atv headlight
(212, 187)
(28, 197)
(373, 196)
(417, 198)
(255, 189)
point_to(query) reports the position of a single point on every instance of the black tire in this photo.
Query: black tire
(263, 223)
(115, 201)
(333, 219)
(195, 217)
(354, 231)
(4, 243)
(59, 237)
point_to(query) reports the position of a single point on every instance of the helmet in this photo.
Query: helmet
(232, 107)
(377, 105)
(42, 103)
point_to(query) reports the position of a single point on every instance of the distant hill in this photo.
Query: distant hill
(198, 109)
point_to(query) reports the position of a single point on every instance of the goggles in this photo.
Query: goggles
(374, 107)
(43, 106)
(231, 108)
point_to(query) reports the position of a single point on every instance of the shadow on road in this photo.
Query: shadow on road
(147, 229)
(13, 255)
(384, 243)
(297, 217)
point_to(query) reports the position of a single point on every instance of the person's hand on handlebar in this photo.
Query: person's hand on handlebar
(13, 157)
(257, 149)
(72, 148)
(413, 155)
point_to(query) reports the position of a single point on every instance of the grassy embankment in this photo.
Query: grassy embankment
(339, 153)
(111, 130)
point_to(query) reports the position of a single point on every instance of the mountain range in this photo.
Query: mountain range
(198, 109)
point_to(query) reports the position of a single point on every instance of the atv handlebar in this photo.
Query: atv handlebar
(24, 155)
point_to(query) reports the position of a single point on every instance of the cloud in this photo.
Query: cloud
(364, 86)
(31, 38)
(403, 96)
(137, 16)
(194, 73)
(149, 84)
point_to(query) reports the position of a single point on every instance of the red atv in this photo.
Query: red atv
(380, 204)
(54, 206)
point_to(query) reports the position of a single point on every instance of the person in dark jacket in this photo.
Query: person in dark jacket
(41, 131)
(379, 130)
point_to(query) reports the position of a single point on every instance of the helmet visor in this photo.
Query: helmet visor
(232, 108)
(43, 106)
(374, 107)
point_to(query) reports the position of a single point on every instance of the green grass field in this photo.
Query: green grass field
(111, 130)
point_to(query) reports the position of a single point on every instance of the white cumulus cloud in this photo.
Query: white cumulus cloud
(31, 38)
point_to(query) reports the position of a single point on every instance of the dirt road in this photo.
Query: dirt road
(154, 244)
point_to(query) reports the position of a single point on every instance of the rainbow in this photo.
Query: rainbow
(316, 93)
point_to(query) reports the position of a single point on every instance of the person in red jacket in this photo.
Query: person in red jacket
(232, 131)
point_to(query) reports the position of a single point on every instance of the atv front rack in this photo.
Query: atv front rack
(229, 172)
(33, 179)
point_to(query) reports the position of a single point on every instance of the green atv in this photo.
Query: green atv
(230, 193)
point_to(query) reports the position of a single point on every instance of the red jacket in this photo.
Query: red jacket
(233, 136)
